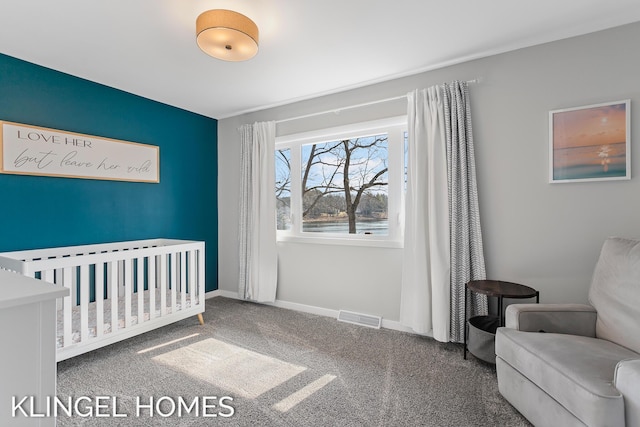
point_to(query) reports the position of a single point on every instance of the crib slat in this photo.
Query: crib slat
(47, 276)
(99, 294)
(112, 292)
(162, 269)
(151, 277)
(201, 291)
(128, 275)
(74, 288)
(173, 280)
(67, 318)
(58, 281)
(192, 278)
(121, 278)
(140, 262)
(183, 280)
(84, 303)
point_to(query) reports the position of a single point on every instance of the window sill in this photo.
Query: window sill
(369, 241)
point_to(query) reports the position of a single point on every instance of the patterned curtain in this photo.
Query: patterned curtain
(467, 257)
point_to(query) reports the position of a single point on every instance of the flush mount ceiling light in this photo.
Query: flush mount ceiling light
(227, 35)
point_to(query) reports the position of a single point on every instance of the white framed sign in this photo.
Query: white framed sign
(32, 150)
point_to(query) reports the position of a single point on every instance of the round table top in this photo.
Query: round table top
(499, 288)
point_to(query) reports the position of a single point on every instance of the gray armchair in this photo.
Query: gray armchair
(574, 364)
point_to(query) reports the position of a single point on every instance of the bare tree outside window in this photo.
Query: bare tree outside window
(283, 189)
(345, 186)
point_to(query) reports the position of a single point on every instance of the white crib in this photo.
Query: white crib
(118, 290)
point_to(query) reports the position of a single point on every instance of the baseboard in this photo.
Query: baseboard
(220, 293)
(320, 311)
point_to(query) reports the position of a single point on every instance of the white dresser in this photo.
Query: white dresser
(27, 347)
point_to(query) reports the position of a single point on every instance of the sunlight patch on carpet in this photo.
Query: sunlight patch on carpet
(155, 347)
(292, 400)
(236, 370)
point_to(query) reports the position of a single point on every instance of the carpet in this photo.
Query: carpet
(257, 365)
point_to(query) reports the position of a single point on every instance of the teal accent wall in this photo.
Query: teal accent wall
(39, 212)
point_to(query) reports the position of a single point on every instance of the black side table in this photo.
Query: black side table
(501, 290)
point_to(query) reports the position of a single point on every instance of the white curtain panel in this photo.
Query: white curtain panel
(425, 294)
(258, 252)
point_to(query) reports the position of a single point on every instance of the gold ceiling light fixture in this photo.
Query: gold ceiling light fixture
(227, 35)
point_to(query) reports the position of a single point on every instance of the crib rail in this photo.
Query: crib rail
(118, 290)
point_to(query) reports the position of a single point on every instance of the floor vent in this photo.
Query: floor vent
(360, 319)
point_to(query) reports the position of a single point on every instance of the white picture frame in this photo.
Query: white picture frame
(590, 143)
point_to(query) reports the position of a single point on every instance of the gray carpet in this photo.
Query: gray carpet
(285, 368)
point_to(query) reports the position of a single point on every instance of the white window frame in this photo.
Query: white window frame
(395, 128)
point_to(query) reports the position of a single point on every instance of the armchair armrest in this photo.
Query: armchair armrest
(627, 381)
(573, 319)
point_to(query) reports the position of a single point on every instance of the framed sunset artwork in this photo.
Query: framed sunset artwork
(590, 143)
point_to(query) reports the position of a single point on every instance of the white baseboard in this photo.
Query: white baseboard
(220, 293)
(320, 311)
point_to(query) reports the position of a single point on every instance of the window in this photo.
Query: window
(283, 189)
(342, 185)
(405, 142)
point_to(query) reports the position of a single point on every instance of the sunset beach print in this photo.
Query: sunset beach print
(590, 142)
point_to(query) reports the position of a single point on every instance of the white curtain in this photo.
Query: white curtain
(258, 252)
(425, 297)
(443, 240)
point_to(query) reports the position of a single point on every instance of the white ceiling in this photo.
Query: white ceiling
(307, 47)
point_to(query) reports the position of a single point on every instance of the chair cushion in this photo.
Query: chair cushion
(615, 292)
(576, 371)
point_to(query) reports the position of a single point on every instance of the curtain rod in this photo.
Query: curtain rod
(351, 107)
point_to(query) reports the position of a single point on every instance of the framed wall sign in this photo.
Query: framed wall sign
(31, 150)
(590, 143)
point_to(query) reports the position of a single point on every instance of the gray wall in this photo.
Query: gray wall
(544, 235)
